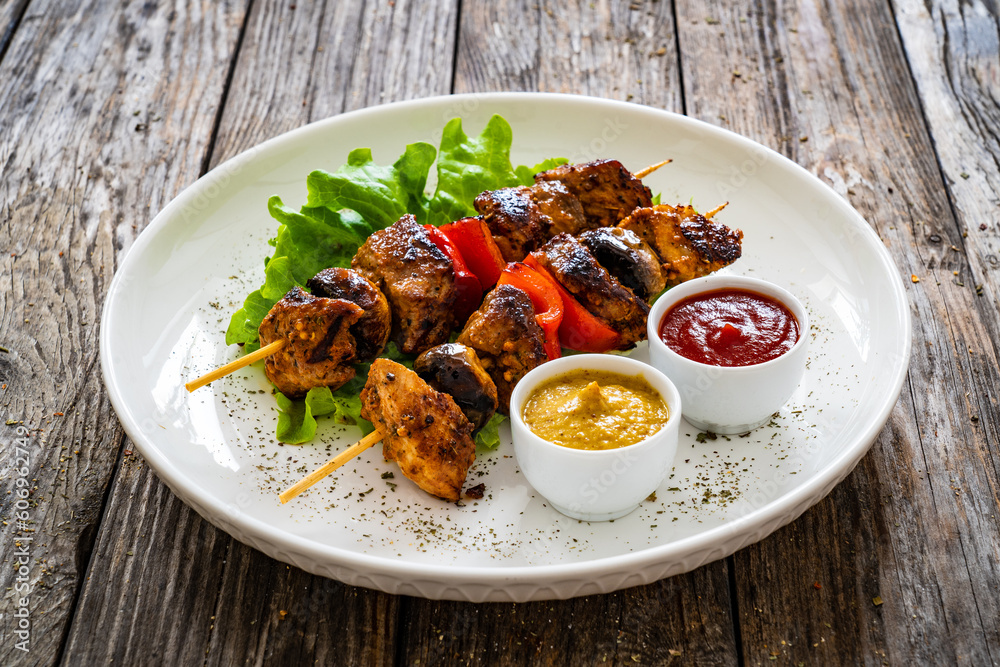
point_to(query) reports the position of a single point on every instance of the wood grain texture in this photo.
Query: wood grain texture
(237, 604)
(953, 50)
(271, 613)
(685, 617)
(915, 525)
(10, 17)
(322, 59)
(105, 111)
(610, 48)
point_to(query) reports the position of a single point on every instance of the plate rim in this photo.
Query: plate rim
(781, 511)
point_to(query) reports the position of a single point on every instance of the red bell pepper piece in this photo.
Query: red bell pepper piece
(470, 290)
(545, 299)
(473, 239)
(580, 329)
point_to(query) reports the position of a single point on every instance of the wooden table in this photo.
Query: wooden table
(109, 110)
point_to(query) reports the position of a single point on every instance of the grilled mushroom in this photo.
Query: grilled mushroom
(455, 369)
(628, 258)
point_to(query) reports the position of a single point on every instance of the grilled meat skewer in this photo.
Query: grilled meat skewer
(417, 279)
(689, 244)
(344, 322)
(318, 348)
(517, 225)
(523, 218)
(406, 411)
(506, 338)
(423, 430)
(568, 199)
(607, 190)
(371, 331)
(575, 268)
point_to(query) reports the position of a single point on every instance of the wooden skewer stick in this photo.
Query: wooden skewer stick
(716, 210)
(222, 371)
(643, 173)
(340, 459)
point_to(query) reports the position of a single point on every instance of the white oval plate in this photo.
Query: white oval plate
(173, 294)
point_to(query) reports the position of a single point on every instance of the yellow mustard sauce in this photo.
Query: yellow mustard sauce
(587, 409)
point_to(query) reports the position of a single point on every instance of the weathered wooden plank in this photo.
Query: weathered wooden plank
(915, 525)
(237, 605)
(270, 613)
(612, 50)
(322, 59)
(953, 50)
(105, 111)
(10, 17)
(687, 617)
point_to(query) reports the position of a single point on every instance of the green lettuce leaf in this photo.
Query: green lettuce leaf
(295, 420)
(489, 435)
(305, 245)
(297, 417)
(380, 195)
(467, 167)
(316, 239)
(245, 321)
(526, 175)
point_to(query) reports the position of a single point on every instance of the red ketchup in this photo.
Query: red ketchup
(729, 327)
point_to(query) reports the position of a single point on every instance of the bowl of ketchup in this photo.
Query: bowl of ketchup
(734, 346)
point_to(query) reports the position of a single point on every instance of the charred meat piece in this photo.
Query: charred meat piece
(371, 331)
(507, 339)
(423, 430)
(517, 225)
(689, 244)
(607, 191)
(455, 369)
(578, 271)
(319, 348)
(560, 206)
(628, 258)
(418, 281)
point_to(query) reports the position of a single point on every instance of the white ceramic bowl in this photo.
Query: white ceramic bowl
(732, 399)
(595, 485)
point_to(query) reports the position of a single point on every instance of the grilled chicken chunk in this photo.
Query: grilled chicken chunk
(507, 339)
(628, 258)
(455, 369)
(689, 244)
(319, 348)
(607, 191)
(418, 281)
(572, 265)
(371, 331)
(517, 224)
(560, 206)
(423, 430)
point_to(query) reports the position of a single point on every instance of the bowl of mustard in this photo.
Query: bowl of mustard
(595, 434)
